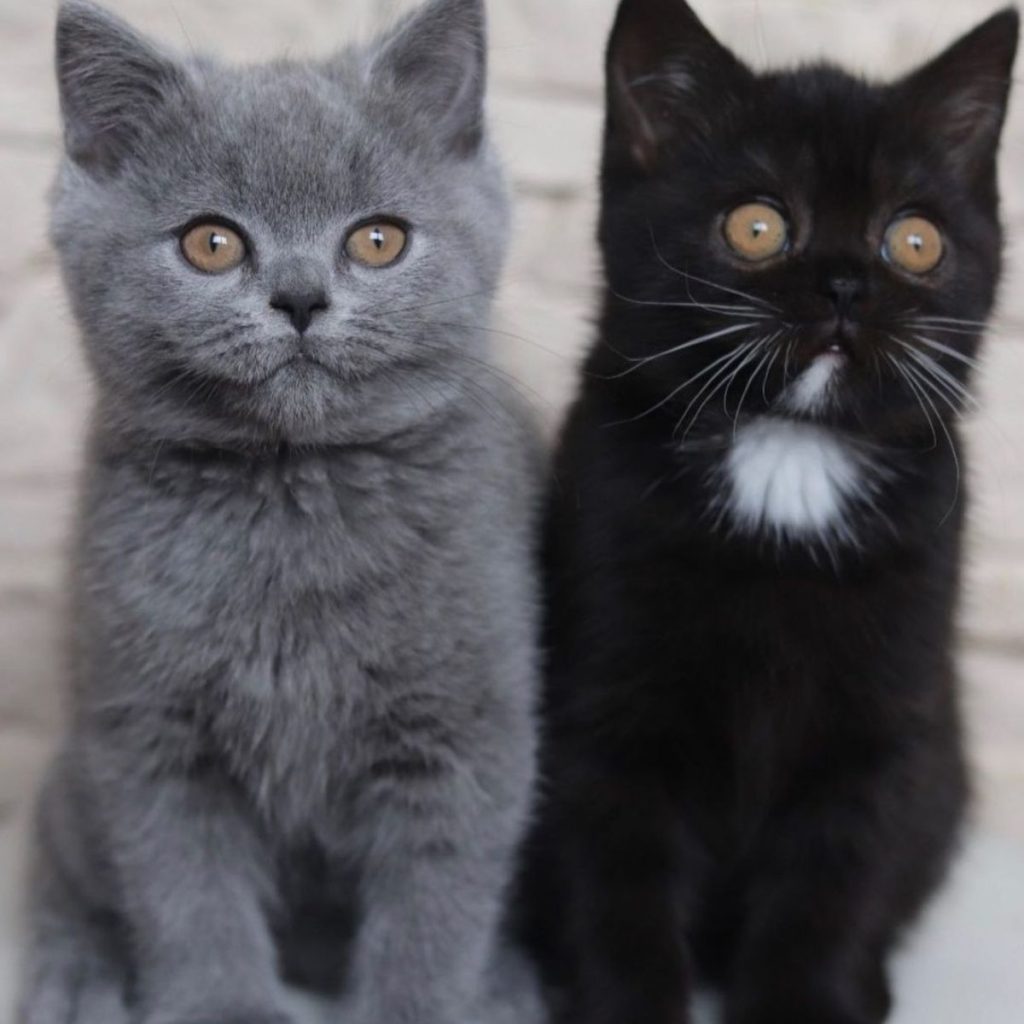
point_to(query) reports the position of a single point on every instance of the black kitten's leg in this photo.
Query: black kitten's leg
(794, 967)
(622, 860)
(812, 949)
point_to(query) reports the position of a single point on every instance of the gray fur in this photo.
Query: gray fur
(304, 651)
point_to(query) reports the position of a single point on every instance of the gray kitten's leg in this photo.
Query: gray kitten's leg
(71, 976)
(431, 899)
(69, 984)
(74, 971)
(193, 883)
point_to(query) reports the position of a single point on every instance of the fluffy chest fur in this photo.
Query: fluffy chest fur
(302, 619)
(794, 479)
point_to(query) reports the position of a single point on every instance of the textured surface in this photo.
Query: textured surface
(546, 110)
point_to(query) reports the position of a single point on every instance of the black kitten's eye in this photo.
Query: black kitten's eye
(213, 248)
(756, 232)
(378, 244)
(915, 244)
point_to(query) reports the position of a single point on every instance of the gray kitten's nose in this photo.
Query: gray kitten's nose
(300, 306)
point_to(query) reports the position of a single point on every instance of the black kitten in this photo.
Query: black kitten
(754, 751)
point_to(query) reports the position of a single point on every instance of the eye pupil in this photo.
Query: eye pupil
(213, 248)
(756, 232)
(377, 245)
(914, 244)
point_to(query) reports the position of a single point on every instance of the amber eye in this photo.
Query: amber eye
(756, 232)
(377, 245)
(915, 244)
(213, 248)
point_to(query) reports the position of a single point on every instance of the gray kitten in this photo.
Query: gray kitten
(301, 746)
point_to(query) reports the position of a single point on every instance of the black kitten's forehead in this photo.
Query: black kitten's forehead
(835, 150)
(817, 133)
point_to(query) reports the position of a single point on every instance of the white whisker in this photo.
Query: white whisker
(760, 303)
(682, 387)
(946, 350)
(940, 374)
(769, 356)
(708, 307)
(967, 332)
(639, 362)
(930, 387)
(948, 320)
(716, 382)
(914, 390)
(754, 353)
(768, 369)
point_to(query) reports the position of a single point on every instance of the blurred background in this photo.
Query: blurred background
(546, 108)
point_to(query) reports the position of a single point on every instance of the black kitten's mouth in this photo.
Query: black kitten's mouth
(838, 337)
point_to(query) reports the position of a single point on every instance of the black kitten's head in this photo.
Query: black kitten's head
(800, 242)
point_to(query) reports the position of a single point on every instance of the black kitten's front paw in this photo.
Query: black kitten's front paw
(800, 1013)
(642, 1012)
(799, 1017)
(807, 997)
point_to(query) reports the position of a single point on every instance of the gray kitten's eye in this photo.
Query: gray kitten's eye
(756, 232)
(213, 248)
(915, 244)
(379, 244)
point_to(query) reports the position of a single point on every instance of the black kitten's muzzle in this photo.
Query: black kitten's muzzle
(835, 336)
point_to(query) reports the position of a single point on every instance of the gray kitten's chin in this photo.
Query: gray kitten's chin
(299, 404)
(307, 400)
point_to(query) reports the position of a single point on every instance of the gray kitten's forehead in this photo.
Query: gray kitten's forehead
(288, 144)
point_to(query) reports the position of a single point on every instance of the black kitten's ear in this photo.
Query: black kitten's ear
(111, 81)
(961, 96)
(436, 61)
(666, 74)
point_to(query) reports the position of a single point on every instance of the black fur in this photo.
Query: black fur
(753, 760)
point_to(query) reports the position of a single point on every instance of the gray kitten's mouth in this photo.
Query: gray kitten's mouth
(302, 365)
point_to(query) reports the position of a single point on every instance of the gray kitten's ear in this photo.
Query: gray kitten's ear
(435, 61)
(111, 82)
(960, 98)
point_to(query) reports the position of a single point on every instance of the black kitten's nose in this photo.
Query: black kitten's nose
(300, 306)
(845, 290)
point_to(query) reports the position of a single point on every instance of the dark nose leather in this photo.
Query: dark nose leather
(844, 291)
(300, 306)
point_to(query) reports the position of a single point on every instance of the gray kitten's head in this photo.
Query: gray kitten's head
(283, 252)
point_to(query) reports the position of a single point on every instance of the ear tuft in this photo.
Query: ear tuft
(435, 60)
(963, 94)
(666, 73)
(111, 80)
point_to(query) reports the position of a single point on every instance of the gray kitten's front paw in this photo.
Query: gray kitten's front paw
(229, 1017)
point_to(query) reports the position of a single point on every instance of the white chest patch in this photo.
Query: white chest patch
(794, 478)
(812, 390)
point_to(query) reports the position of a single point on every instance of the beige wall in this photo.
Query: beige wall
(546, 112)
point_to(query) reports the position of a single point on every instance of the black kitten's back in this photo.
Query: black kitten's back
(753, 760)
